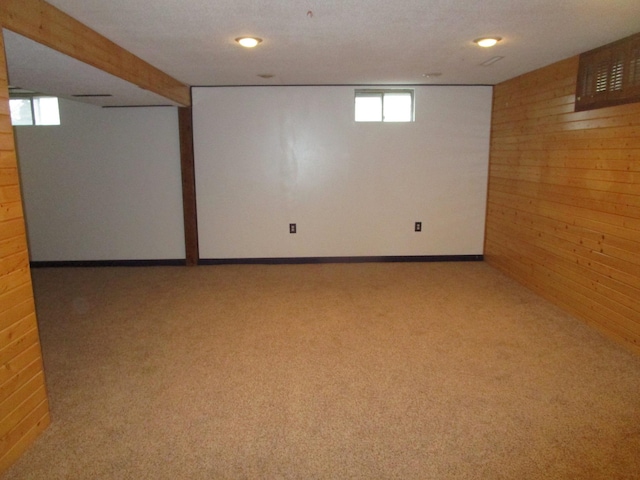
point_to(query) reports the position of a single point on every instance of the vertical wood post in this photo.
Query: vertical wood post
(185, 122)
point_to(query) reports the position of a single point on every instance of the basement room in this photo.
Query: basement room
(338, 239)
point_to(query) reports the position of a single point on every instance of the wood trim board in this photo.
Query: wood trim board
(185, 122)
(45, 24)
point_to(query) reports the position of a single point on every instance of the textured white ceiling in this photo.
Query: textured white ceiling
(354, 41)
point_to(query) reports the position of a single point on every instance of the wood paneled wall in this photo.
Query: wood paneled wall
(24, 409)
(563, 212)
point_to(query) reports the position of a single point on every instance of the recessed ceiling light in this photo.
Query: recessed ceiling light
(249, 42)
(487, 41)
(266, 75)
(432, 75)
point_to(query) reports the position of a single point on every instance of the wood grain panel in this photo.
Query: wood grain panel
(21, 293)
(563, 253)
(7, 159)
(18, 329)
(16, 441)
(542, 281)
(24, 410)
(13, 228)
(25, 374)
(12, 369)
(10, 246)
(621, 248)
(600, 179)
(16, 286)
(8, 176)
(11, 263)
(14, 314)
(603, 204)
(563, 208)
(603, 180)
(39, 21)
(187, 167)
(18, 345)
(20, 395)
(611, 160)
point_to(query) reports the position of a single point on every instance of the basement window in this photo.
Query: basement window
(391, 105)
(609, 75)
(34, 111)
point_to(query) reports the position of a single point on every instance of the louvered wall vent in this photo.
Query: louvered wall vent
(609, 75)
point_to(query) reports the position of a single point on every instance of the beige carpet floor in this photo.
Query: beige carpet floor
(343, 371)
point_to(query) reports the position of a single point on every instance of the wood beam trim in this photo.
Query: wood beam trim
(45, 24)
(185, 122)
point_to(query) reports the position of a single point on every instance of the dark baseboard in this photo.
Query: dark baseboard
(257, 261)
(109, 263)
(306, 260)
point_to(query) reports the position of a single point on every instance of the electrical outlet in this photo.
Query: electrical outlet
(292, 228)
(418, 227)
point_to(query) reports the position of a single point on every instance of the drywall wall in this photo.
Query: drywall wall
(104, 185)
(266, 157)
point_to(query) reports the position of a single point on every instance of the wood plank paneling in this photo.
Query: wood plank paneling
(24, 434)
(563, 209)
(15, 367)
(24, 410)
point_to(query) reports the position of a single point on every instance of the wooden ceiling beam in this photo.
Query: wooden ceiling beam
(45, 24)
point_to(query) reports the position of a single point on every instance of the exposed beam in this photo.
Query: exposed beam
(45, 24)
(188, 186)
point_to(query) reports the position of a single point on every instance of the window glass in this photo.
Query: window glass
(369, 108)
(21, 111)
(46, 111)
(34, 111)
(375, 105)
(397, 107)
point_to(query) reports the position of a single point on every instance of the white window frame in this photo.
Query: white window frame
(36, 115)
(381, 92)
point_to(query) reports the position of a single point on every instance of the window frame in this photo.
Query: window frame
(35, 118)
(381, 92)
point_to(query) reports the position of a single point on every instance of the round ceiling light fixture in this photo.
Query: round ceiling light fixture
(487, 41)
(249, 42)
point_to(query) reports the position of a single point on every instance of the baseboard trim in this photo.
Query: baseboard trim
(109, 263)
(307, 260)
(257, 261)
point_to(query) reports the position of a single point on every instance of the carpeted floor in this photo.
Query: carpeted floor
(343, 371)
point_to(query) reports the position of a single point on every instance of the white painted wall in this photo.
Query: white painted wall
(269, 156)
(104, 185)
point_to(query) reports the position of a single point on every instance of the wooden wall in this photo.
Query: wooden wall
(563, 213)
(24, 409)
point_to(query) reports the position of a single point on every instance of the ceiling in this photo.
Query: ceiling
(318, 42)
(37, 68)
